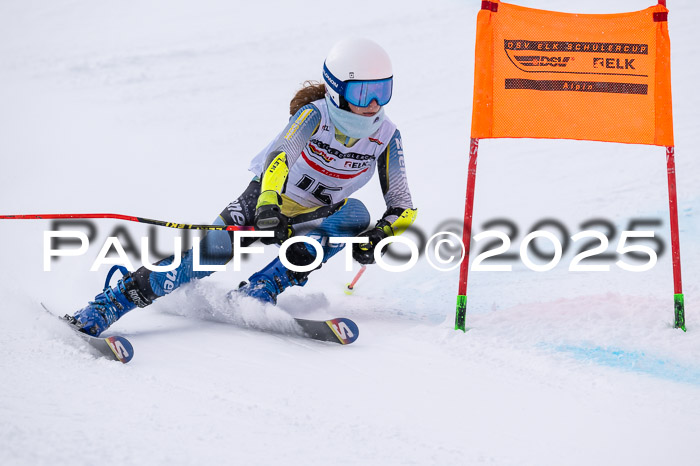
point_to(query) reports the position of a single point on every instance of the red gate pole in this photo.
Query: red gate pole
(679, 306)
(460, 317)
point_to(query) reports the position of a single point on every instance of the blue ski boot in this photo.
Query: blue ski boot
(110, 305)
(271, 281)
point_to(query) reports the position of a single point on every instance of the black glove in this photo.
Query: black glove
(270, 218)
(364, 252)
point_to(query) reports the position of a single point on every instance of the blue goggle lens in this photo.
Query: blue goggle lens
(362, 93)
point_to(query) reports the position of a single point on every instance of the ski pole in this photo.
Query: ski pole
(350, 287)
(181, 226)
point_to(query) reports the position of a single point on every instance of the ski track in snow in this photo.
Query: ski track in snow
(155, 108)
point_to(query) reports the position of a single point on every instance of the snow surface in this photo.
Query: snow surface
(154, 108)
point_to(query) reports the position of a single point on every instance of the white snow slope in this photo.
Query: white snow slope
(154, 108)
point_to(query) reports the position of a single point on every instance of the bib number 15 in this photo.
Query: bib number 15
(317, 189)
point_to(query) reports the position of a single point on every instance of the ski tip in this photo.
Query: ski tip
(121, 347)
(345, 330)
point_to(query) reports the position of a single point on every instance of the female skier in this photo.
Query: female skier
(337, 137)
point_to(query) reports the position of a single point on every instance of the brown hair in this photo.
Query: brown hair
(310, 91)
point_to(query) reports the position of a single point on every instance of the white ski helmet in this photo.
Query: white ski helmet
(358, 71)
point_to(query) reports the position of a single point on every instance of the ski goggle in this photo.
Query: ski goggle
(361, 93)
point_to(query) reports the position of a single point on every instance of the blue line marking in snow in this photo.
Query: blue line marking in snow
(634, 361)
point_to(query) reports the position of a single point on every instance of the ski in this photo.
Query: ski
(339, 330)
(115, 347)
